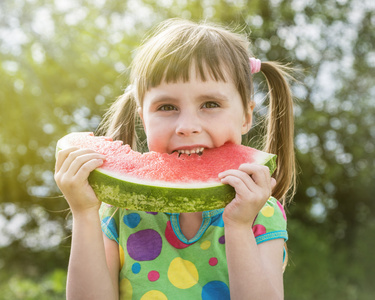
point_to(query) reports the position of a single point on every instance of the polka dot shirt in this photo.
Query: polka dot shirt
(158, 262)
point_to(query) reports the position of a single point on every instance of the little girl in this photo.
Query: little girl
(191, 89)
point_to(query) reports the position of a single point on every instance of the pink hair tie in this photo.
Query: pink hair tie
(255, 65)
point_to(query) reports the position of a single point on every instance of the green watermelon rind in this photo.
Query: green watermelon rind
(154, 198)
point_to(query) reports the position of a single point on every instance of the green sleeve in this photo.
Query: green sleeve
(271, 222)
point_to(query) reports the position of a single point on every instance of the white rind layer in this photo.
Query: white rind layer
(158, 183)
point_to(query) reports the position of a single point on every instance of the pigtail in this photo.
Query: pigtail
(280, 129)
(121, 119)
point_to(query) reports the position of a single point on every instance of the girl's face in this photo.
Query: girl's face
(190, 116)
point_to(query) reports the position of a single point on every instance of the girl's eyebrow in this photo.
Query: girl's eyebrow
(213, 96)
(162, 99)
(167, 98)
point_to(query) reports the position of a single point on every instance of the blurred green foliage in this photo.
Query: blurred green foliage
(50, 286)
(63, 62)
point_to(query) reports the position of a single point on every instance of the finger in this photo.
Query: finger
(85, 170)
(246, 179)
(259, 173)
(273, 183)
(61, 157)
(239, 186)
(80, 160)
(72, 155)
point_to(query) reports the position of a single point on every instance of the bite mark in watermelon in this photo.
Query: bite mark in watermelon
(162, 182)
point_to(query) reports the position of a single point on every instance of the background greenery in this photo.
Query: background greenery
(63, 62)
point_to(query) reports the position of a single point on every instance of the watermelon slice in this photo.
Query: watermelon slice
(161, 182)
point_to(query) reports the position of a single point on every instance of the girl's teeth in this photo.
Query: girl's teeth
(198, 151)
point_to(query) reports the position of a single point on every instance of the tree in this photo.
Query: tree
(64, 62)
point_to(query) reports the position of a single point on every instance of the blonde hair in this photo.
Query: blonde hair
(168, 55)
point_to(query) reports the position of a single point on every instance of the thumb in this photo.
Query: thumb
(273, 183)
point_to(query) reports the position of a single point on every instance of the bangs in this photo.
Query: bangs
(208, 64)
(171, 54)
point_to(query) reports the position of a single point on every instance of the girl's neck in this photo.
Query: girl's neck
(190, 224)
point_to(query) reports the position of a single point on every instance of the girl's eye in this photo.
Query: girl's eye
(210, 105)
(167, 107)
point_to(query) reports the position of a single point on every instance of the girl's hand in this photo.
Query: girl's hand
(73, 166)
(253, 185)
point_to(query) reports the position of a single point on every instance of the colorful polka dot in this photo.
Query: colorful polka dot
(182, 273)
(222, 239)
(126, 289)
(173, 239)
(136, 268)
(154, 295)
(215, 290)
(153, 275)
(132, 220)
(259, 230)
(205, 245)
(122, 255)
(267, 211)
(144, 245)
(213, 261)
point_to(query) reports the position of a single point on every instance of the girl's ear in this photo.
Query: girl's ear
(140, 113)
(248, 118)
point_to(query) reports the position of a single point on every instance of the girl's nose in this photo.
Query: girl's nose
(187, 125)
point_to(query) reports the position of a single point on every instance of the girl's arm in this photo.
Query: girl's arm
(88, 273)
(255, 272)
(113, 260)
